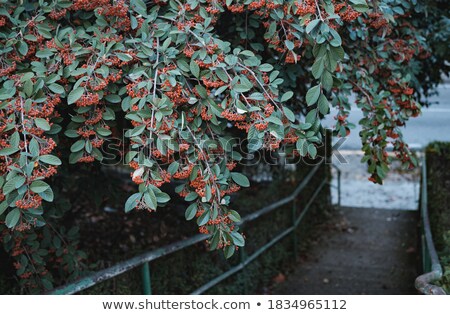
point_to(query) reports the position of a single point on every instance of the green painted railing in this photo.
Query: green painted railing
(430, 261)
(144, 259)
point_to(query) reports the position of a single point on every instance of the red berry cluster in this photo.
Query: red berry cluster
(88, 99)
(88, 5)
(118, 13)
(29, 201)
(346, 12)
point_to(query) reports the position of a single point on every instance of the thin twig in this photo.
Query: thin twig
(362, 90)
(260, 84)
(211, 175)
(318, 10)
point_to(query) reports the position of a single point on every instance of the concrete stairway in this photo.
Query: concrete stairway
(363, 251)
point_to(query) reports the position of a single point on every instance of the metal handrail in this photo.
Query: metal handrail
(145, 258)
(423, 282)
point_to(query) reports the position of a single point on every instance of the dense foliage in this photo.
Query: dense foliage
(185, 81)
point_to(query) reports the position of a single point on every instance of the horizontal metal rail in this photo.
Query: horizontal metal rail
(423, 282)
(126, 265)
(145, 258)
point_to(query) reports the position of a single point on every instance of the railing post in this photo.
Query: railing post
(294, 232)
(339, 187)
(243, 258)
(146, 282)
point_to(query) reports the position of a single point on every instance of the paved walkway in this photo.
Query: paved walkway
(365, 251)
(400, 189)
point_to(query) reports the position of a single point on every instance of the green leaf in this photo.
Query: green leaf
(56, 88)
(286, 96)
(318, 67)
(12, 184)
(201, 91)
(312, 25)
(8, 151)
(30, 37)
(132, 201)
(42, 123)
(234, 216)
(44, 53)
(173, 167)
(257, 96)
(275, 120)
(50, 159)
(130, 156)
(265, 67)
(312, 150)
(336, 41)
(28, 88)
(124, 57)
(240, 179)
(337, 53)
(70, 133)
(195, 69)
(359, 5)
(191, 196)
(137, 130)
(3, 207)
(203, 219)
(12, 218)
(162, 197)
(289, 114)
(313, 95)
(231, 60)
(14, 140)
(113, 98)
(302, 146)
(39, 186)
(75, 95)
(22, 47)
(77, 146)
(139, 6)
(74, 157)
(289, 44)
(311, 117)
(191, 211)
(327, 80)
(214, 240)
(48, 285)
(47, 195)
(323, 105)
(150, 199)
(103, 132)
(238, 239)
(241, 88)
(229, 251)
(33, 146)
(221, 73)
(254, 144)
